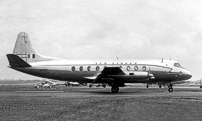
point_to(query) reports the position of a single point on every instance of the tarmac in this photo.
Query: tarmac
(84, 103)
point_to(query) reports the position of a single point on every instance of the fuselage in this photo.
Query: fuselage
(83, 71)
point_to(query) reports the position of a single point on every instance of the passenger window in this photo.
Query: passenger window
(81, 68)
(33, 56)
(97, 68)
(73, 68)
(128, 68)
(144, 68)
(28, 55)
(88, 68)
(136, 68)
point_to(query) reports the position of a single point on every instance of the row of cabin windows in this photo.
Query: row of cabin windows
(97, 68)
(115, 63)
(29, 55)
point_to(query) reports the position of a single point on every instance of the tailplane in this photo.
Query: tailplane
(25, 50)
(16, 61)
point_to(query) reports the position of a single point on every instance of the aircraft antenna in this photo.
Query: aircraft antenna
(162, 60)
(117, 57)
(149, 70)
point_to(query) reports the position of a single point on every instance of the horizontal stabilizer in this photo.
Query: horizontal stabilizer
(16, 61)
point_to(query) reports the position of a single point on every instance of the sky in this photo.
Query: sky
(102, 29)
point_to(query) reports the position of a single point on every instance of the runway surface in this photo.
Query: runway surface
(83, 103)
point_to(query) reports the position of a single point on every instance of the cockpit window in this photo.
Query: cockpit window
(177, 65)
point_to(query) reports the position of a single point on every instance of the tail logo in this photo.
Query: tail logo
(25, 38)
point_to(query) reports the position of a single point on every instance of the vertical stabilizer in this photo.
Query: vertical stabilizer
(25, 50)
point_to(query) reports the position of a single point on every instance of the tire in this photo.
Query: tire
(170, 89)
(115, 89)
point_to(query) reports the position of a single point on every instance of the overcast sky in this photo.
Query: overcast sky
(102, 29)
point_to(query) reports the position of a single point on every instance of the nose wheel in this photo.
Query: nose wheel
(115, 89)
(170, 88)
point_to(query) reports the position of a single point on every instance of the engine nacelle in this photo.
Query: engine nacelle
(136, 75)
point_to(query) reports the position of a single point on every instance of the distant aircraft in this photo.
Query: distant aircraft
(52, 84)
(46, 84)
(196, 83)
(72, 84)
(173, 83)
(115, 73)
(99, 85)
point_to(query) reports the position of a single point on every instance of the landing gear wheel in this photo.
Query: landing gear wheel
(170, 86)
(170, 89)
(159, 86)
(40, 87)
(115, 89)
(147, 86)
(66, 84)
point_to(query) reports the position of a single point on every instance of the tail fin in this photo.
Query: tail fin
(25, 50)
(16, 61)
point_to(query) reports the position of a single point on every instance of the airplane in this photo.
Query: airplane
(99, 85)
(196, 83)
(52, 84)
(72, 84)
(47, 84)
(116, 73)
(173, 83)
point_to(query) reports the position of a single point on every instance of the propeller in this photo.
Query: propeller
(151, 76)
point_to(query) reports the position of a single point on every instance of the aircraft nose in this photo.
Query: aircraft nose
(187, 73)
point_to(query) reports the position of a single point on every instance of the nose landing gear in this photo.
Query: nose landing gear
(170, 88)
(115, 89)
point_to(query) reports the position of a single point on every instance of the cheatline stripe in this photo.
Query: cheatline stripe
(107, 65)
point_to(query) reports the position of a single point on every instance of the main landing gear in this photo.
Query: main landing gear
(115, 89)
(170, 88)
(147, 86)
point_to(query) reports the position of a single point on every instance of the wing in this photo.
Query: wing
(112, 71)
(106, 75)
(116, 75)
